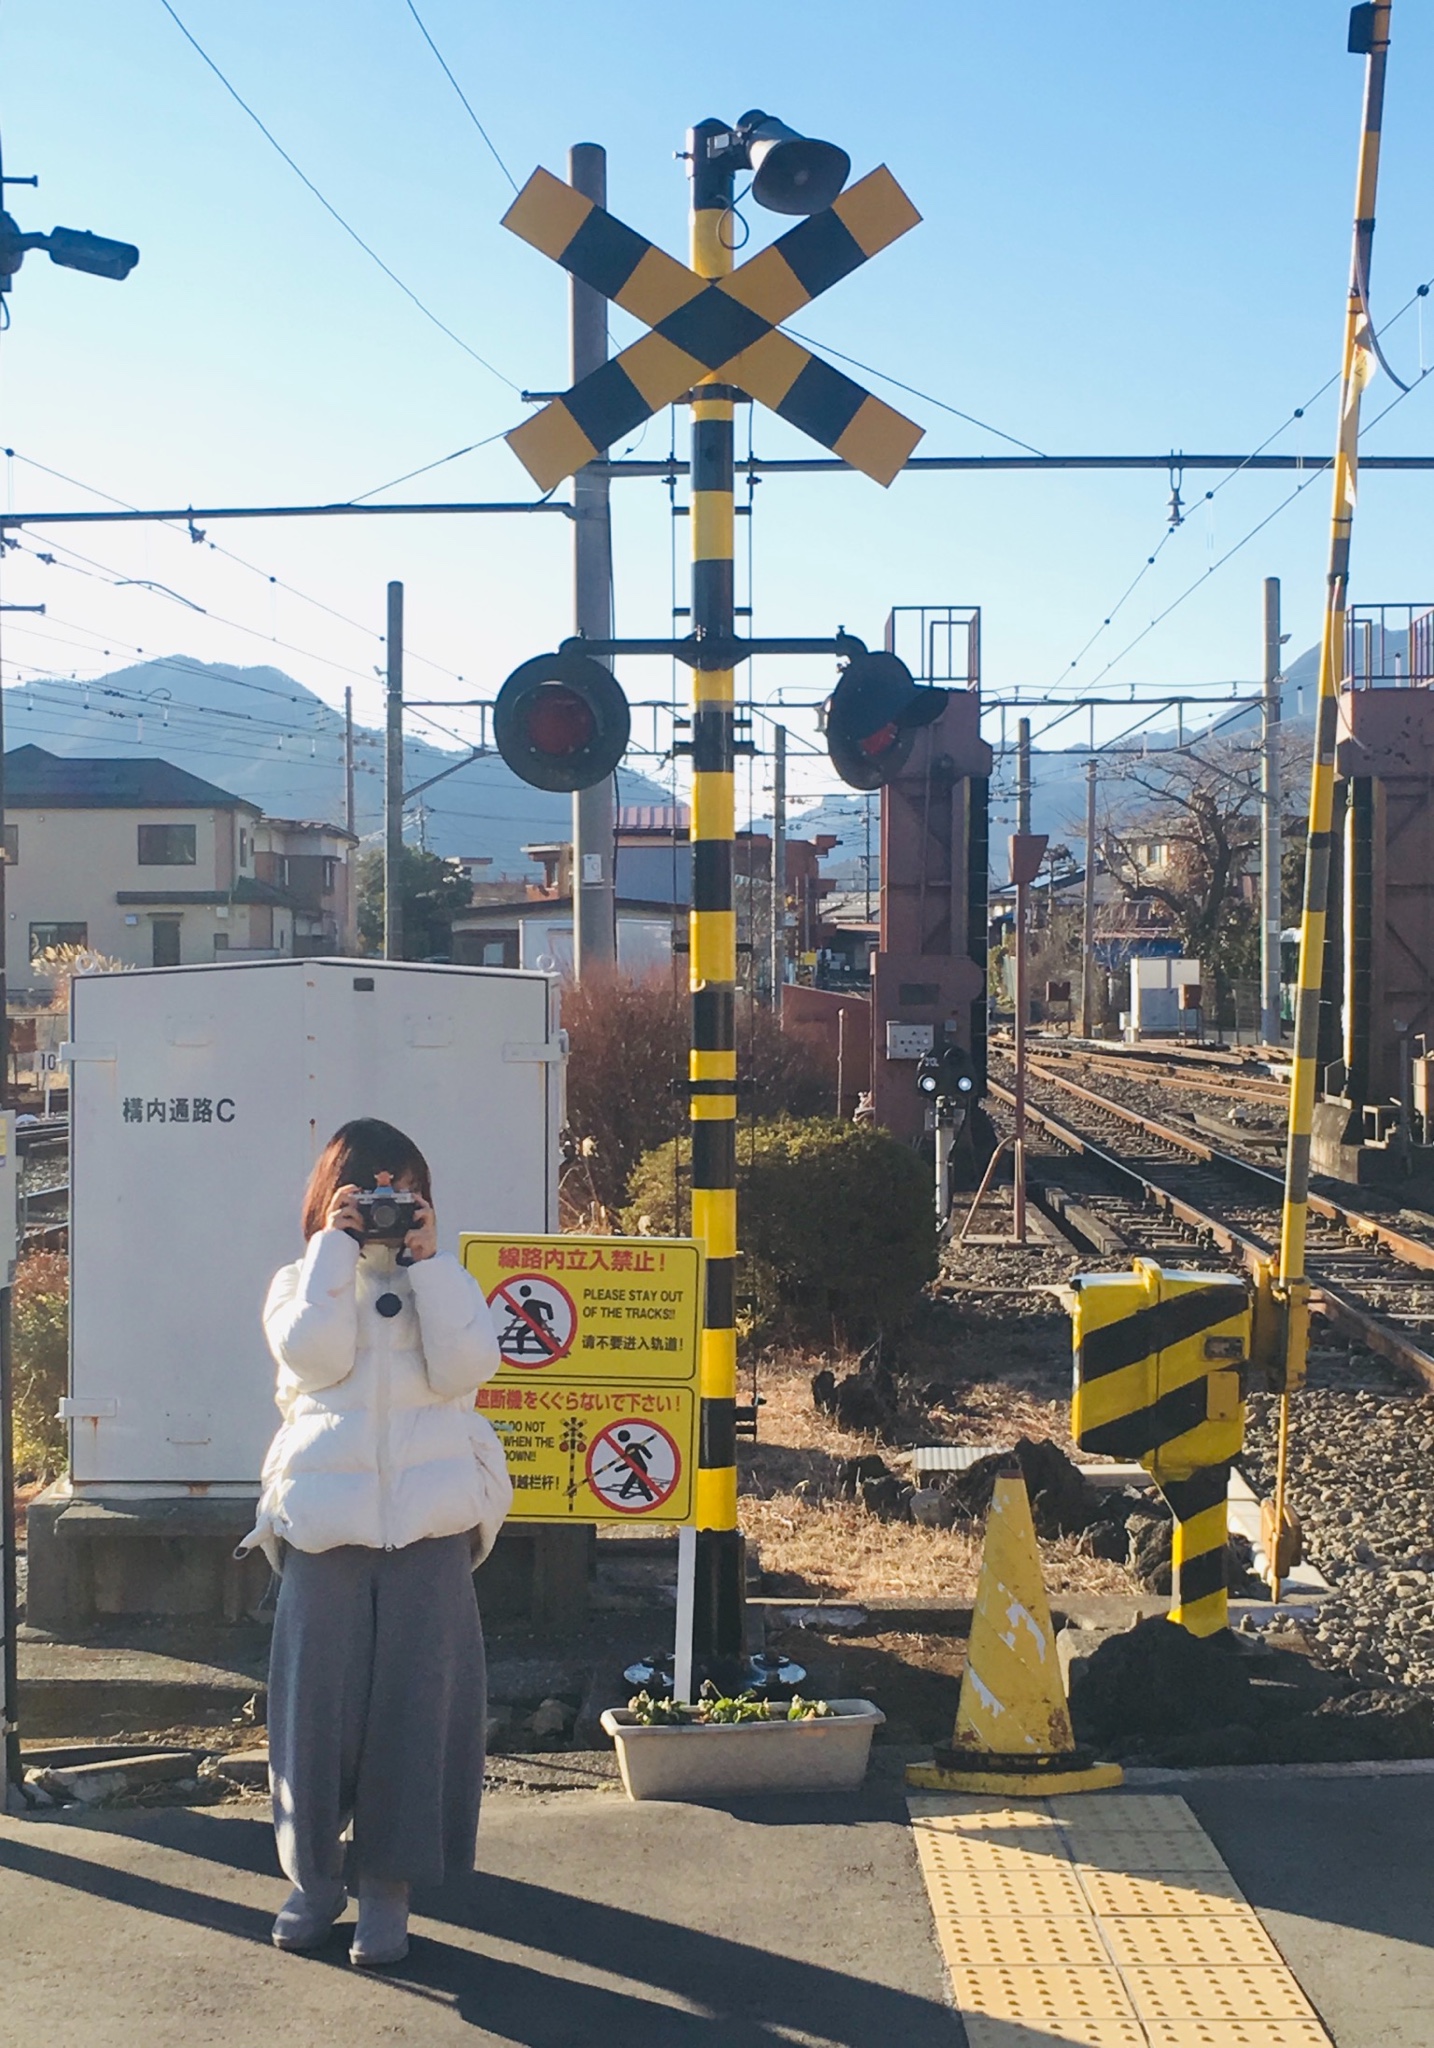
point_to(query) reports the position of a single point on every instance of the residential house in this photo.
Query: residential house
(312, 864)
(136, 859)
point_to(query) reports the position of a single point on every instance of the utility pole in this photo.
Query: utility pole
(1088, 967)
(595, 809)
(779, 865)
(1271, 851)
(1023, 776)
(393, 784)
(348, 759)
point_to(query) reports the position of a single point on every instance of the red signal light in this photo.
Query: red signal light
(558, 721)
(873, 717)
(561, 722)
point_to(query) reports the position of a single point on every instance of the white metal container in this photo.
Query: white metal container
(200, 1098)
(827, 1755)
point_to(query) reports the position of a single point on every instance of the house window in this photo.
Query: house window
(43, 936)
(166, 846)
(331, 874)
(243, 848)
(12, 846)
(221, 944)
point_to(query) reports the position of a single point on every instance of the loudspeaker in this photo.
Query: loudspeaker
(791, 173)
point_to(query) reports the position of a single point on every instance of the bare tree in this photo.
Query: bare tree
(1182, 830)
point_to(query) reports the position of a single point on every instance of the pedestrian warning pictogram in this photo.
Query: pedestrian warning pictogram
(535, 1318)
(700, 328)
(596, 1401)
(634, 1466)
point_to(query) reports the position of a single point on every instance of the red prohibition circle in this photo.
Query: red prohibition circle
(514, 1306)
(659, 1498)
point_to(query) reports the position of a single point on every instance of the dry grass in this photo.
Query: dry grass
(811, 1542)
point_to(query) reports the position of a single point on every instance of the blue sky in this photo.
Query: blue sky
(1135, 238)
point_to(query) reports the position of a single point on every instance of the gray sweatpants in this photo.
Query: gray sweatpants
(377, 1698)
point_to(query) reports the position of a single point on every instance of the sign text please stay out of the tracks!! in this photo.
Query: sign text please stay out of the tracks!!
(596, 1399)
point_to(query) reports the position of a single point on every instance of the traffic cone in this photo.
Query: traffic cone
(1013, 1727)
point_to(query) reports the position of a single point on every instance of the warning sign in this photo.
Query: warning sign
(634, 1466)
(535, 1318)
(596, 1401)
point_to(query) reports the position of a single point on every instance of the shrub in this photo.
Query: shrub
(40, 1346)
(836, 1223)
(627, 1067)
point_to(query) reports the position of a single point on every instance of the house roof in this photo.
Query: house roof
(311, 825)
(35, 780)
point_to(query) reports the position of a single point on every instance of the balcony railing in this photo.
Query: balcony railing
(1389, 647)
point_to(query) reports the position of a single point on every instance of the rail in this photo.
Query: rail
(1338, 1307)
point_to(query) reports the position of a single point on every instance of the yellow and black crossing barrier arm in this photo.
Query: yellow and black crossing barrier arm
(1369, 34)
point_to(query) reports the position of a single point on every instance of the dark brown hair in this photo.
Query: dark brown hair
(354, 1157)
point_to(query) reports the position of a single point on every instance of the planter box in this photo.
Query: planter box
(696, 1762)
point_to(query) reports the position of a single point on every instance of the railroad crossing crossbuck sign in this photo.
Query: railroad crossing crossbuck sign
(704, 328)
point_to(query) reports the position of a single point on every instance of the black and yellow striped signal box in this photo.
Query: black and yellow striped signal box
(1161, 1358)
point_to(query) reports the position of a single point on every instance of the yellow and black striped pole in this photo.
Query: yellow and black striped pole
(718, 1630)
(1357, 367)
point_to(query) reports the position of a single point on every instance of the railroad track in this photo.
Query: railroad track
(1138, 1184)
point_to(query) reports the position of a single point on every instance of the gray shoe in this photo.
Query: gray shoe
(381, 1936)
(305, 1918)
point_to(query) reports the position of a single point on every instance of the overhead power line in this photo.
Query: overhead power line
(329, 207)
(871, 371)
(467, 108)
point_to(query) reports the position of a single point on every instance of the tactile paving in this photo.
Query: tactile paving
(1159, 1855)
(1231, 2034)
(1113, 1891)
(1046, 1890)
(1101, 1922)
(991, 2033)
(1197, 1992)
(1219, 1940)
(1042, 1992)
(1009, 1941)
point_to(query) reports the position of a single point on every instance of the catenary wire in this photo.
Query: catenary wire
(330, 208)
(925, 396)
(266, 576)
(467, 107)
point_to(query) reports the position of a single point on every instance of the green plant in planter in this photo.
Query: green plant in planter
(656, 1713)
(807, 1710)
(717, 1709)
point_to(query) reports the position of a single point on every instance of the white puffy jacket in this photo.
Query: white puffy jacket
(381, 1444)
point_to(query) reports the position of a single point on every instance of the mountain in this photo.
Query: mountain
(261, 735)
(1058, 780)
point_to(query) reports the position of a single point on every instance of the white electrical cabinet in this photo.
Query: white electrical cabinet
(200, 1099)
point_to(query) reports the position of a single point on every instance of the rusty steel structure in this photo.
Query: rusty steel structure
(929, 973)
(1377, 991)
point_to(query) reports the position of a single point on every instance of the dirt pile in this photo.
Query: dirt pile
(1158, 1695)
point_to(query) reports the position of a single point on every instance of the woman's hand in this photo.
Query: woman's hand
(343, 1213)
(422, 1241)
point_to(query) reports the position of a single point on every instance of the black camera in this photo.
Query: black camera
(388, 1215)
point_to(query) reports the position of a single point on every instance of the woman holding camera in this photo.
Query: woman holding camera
(381, 1491)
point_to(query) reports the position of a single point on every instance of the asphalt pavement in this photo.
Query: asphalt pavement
(591, 1922)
